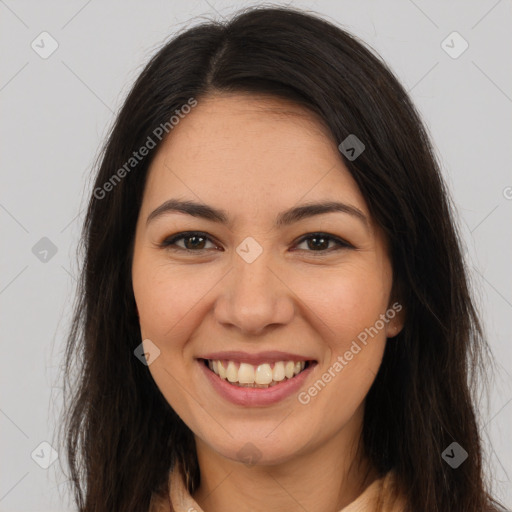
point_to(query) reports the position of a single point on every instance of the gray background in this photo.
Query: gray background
(56, 113)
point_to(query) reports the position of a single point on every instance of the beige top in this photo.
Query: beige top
(380, 496)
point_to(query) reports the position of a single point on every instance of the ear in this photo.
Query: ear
(395, 313)
(396, 318)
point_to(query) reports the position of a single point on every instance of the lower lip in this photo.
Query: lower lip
(254, 397)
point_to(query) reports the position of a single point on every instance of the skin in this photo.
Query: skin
(255, 156)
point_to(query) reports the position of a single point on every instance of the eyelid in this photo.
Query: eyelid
(341, 243)
(168, 242)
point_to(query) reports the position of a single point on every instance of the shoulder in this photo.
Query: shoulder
(391, 496)
(382, 495)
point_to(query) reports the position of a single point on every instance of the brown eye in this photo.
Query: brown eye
(192, 241)
(319, 242)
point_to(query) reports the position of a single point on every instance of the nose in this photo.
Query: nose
(254, 298)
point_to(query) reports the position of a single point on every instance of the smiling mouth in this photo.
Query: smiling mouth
(263, 376)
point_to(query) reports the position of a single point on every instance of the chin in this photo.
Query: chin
(261, 450)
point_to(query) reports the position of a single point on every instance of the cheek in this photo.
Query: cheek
(163, 295)
(168, 300)
(347, 299)
(349, 304)
(173, 301)
(352, 307)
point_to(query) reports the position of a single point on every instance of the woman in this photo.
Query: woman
(274, 312)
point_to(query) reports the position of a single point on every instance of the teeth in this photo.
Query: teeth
(263, 375)
(222, 370)
(232, 372)
(246, 374)
(278, 372)
(289, 369)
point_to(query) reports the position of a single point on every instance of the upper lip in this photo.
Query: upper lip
(261, 357)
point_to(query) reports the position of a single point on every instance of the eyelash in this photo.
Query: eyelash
(170, 243)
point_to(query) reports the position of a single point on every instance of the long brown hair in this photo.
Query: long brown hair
(121, 434)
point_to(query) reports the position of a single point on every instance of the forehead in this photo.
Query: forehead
(250, 152)
(249, 122)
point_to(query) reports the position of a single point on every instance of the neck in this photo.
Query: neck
(324, 479)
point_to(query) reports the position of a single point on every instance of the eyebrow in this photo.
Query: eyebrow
(285, 218)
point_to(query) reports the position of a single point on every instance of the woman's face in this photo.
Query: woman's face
(262, 284)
